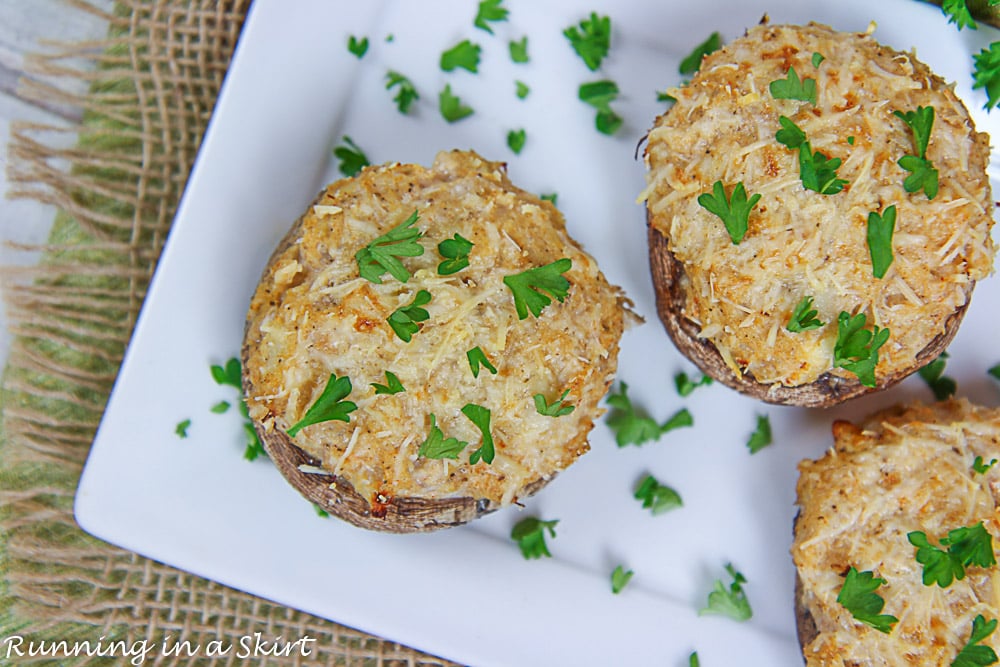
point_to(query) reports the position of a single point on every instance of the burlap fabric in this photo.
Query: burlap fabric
(152, 86)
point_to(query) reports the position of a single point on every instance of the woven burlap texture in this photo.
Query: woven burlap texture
(151, 87)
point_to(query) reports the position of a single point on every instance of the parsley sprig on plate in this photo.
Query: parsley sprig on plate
(383, 253)
(729, 601)
(529, 534)
(632, 426)
(966, 546)
(856, 349)
(858, 596)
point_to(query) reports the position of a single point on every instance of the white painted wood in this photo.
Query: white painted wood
(23, 24)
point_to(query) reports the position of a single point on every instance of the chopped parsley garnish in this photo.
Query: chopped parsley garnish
(352, 159)
(974, 653)
(817, 58)
(958, 13)
(478, 358)
(456, 253)
(686, 385)
(436, 446)
(986, 74)
(556, 408)
(480, 416)
(731, 601)
(600, 95)
(856, 349)
(850, 140)
(405, 320)
(229, 375)
(320, 512)
(521, 89)
(761, 437)
(529, 534)
(182, 428)
(657, 498)
(254, 448)
(970, 545)
(329, 406)
(633, 427)
(451, 106)
(693, 660)
(933, 374)
(533, 287)
(858, 596)
(407, 93)
(792, 88)
(490, 11)
(692, 61)
(804, 317)
(734, 211)
(817, 171)
(392, 385)
(519, 50)
(923, 175)
(553, 198)
(880, 231)
(220, 408)
(981, 467)
(465, 54)
(995, 371)
(356, 46)
(663, 96)
(620, 578)
(381, 254)
(516, 139)
(591, 39)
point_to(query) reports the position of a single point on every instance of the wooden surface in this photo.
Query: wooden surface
(24, 25)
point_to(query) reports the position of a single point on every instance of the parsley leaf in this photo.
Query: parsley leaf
(519, 50)
(529, 534)
(970, 545)
(553, 198)
(734, 212)
(556, 408)
(392, 385)
(920, 122)
(352, 159)
(254, 448)
(490, 11)
(436, 446)
(986, 74)
(686, 385)
(380, 255)
(975, 654)
(591, 39)
(600, 95)
(692, 61)
(521, 89)
(693, 660)
(407, 93)
(456, 253)
(761, 437)
(858, 596)
(817, 171)
(856, 349)
(923, 176)
(790, 134)
(656, 497)
(982, 468)
(531, 286)
(320, 512)
(329, 406)
(220, 408)
(995, 371)
(803, 317)
(405, 320)
(880, 230)
(480, 416)
(620, 578)
(817, 58)
(451, 106)
(731, 602)
(465, 54)
(182, 428)
(516, 139)
(477, 358)
(933, 374)
(229, 375)
(634, 427)
(791, 88)
(958, 13)
(357, 46)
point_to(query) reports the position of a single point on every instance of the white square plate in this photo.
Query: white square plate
(292, 92)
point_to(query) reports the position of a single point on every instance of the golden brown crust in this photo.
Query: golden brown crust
(313, 316)
(726, 304)
(903, 469)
